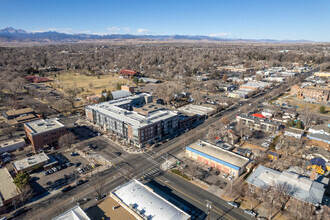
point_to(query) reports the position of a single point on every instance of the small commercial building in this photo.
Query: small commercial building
(30, 163)
(76, 213)
(129, 73)
(12, 145)
(258, 123)
(294, 132)
(44, 132)
(218, 158)
(8, 190)
(306, 189)
(20, 116)
(143, 203)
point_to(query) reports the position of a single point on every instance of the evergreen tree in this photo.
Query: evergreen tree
(109, 96)
(118, 87)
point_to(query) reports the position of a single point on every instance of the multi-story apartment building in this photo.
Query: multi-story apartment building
(127, 119)
(311, 93)
(44, 132)
(256, 123)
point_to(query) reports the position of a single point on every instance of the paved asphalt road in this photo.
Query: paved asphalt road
(135, 166)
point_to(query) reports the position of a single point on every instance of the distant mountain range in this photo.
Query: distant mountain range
(12, 35)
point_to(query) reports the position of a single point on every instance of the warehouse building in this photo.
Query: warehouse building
(220, 159)
(44, 132)
(143, 203)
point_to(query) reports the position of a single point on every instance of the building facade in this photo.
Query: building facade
(256, 123)
(44, 132)
(311, 93)
(220, 159)
(138, 127)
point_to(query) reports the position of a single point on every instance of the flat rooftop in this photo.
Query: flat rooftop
(133, 118)
(76, 213)
(30, 161)
(44, 125)
(11, 142)
(222, 155)
(142, 199)
(7, 187)
(107, 212)
(19, 111)
(303, 188)
(196, 109)
(259, 120)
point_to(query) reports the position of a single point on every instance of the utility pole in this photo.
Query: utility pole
(208, 206)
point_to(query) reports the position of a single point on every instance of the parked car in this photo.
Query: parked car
(230, 177)
(74, 154)
(117, 153)
(46, 173)
(250, 212)
(234, 204)
(262, 218)
(50, 171)
(97, 198)
(225, 175)
(80, 170)
(54, 169)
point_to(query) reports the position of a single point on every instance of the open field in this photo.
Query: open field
(91, 85)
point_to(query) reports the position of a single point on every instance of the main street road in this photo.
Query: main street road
(136, 166)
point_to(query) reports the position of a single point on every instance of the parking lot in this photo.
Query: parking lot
(204, 173)
(66, 171)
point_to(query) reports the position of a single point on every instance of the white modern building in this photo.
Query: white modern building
(144, 204)
(76, 213)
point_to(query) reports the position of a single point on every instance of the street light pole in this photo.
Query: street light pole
(208, 206)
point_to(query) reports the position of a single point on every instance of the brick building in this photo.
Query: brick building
(311, 93)
(44, 132)
(223, 160)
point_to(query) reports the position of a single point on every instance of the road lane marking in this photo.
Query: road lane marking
(220, 212)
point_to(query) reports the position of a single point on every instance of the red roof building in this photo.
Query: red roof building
(258, 115)
(36, 79)
(128, 72)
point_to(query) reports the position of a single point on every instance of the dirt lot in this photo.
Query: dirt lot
(91, 84)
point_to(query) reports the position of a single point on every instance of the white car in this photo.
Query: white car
(80, 170)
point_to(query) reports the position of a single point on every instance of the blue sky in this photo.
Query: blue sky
(248, 19)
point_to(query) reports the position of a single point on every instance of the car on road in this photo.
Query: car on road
(19, 212)
(234, 204)
(82, 201)
(250, 212)
(79, 182)
(65, 189)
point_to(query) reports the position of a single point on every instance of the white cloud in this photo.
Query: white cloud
(127, 29)
(220, 34)
(143, 31)
(114, 28)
